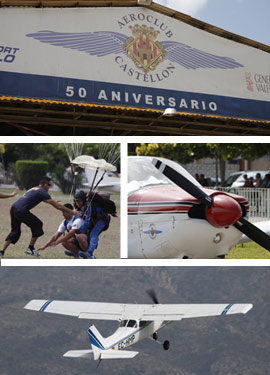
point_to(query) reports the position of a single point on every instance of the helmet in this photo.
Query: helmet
(81, 195)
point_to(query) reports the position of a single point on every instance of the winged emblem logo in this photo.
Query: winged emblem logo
(142, 48)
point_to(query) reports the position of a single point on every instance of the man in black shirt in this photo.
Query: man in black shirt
(20, 213)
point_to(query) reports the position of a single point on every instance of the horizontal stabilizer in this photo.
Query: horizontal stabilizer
(104, 354)
(79, 354)
(111, 354)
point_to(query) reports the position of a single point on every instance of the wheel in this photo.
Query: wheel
(155, 336)
(166, 345)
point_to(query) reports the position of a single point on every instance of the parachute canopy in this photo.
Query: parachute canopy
(85, 161)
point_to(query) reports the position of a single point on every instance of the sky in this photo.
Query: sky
(249, 18)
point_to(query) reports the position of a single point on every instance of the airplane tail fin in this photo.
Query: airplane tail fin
(97, 341)
(98, 351)
(98, 345)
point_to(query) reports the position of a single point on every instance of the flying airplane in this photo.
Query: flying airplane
(136, 322)
(172, 216)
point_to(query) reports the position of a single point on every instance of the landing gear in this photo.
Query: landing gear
(166, 345)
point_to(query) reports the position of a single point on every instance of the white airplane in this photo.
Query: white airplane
(136, 322)
(172, 216)
(110, 183)
(100, 174)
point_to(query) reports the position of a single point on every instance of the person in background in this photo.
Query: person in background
(258, 181)
(202, 180)
(248, 181)
(266, 181)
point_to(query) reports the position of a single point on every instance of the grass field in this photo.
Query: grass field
(109, 241)
(248, 250)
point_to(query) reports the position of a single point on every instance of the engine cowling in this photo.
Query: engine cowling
(225, 210)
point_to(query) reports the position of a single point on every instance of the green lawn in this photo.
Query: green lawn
(109, 241)
(248, 250)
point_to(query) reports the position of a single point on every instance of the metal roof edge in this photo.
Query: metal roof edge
(90, 105)
(133, 3)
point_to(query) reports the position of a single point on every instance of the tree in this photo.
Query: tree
(55, 155)
(2, 150)
(187, 152)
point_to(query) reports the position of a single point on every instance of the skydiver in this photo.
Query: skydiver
(97, 220)
(80, 201)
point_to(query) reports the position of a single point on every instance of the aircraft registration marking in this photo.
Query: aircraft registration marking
(123, 344)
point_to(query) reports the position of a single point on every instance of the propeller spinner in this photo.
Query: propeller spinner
(221, 210)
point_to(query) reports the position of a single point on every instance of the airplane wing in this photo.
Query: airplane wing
(262, 225)
(118, 311)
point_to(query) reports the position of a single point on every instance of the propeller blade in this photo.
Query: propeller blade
(152, 295)
(183, 182)
(254, 233)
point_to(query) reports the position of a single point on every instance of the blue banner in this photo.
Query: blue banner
(103, 93)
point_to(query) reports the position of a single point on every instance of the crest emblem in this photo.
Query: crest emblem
(145, 52)
(152, 231)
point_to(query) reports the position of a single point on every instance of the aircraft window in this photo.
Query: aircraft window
(123, 323)
(132, 323)
(143, 323)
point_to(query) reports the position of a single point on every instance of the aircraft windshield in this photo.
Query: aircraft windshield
(132, 323)
(128, 323)
(141, 173)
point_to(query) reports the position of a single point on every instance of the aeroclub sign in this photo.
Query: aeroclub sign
(130, 57)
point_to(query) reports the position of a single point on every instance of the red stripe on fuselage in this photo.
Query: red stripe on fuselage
(153, 209)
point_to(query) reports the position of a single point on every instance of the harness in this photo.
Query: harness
(98, 213)
(66, 222)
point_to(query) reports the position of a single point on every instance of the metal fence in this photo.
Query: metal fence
(259, 201)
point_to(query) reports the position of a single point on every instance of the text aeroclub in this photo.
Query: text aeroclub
(162, 28)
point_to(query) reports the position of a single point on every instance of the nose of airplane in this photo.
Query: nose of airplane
(225, 211)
